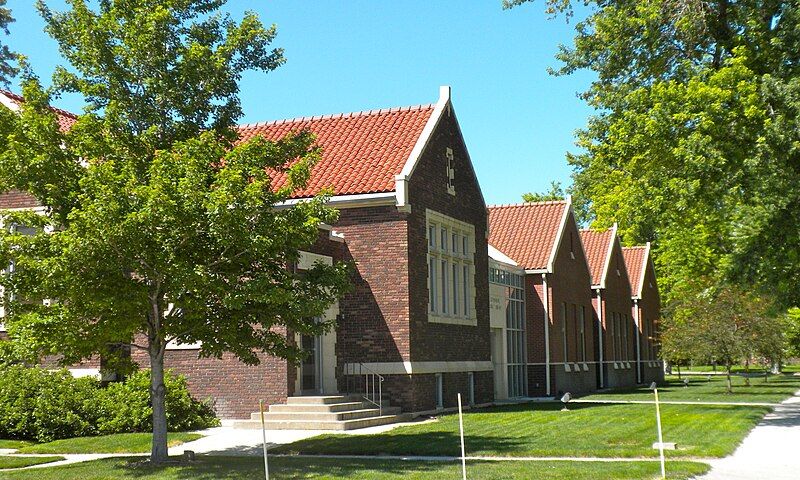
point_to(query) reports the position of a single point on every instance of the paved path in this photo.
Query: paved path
(679, 402)
(770, 451)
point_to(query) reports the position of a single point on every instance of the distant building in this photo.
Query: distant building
(611, 295)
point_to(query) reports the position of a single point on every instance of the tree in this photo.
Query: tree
(555, 193)
(723, 323)
(695, 145)
(158, 225)
(792, 333)
(6, 69)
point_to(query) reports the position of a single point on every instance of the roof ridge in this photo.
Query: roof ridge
(528, 204)
(20, 98)
(266, 123)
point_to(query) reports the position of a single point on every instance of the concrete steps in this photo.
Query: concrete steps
(324, 413)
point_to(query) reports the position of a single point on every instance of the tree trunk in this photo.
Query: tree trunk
(158, 397)
(728, 386)
(679, 371)
(747, 372)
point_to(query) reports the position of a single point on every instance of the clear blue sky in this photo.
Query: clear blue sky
(344, 56)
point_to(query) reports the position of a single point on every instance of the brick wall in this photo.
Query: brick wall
(650, 313)
(617, 298)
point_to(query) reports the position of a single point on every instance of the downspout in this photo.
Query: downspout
(546, 294)
(638, 342)
(601, 346)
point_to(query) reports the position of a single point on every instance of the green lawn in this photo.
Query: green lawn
(18, 462)
(120, 443)
(541, 429)
(8, 444)
(230, 468)
(793, 368)
(774, 390)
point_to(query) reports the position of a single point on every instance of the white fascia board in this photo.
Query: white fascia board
(608, 256)
(348, 201)
(401, 180)
(8, 103)
(501, 257)
(536, 271)
(560, 234)
(645, 263)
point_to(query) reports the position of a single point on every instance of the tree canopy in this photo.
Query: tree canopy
(7, 70)
(556, 192)
(158, 225)
(695, 143)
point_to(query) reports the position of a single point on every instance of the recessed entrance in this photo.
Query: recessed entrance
(311, 367)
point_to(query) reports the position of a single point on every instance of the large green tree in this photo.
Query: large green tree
(695, 143)
(7, 70)
(158, 225)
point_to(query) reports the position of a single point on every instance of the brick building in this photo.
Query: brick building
(611, 298)
(543, 239)
(646, 312)
(413, 221)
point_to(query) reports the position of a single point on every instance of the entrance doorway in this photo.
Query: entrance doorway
(311, 367)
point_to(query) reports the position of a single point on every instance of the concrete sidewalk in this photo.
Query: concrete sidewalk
(770, 451)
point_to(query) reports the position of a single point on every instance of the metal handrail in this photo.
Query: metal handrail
(372, 381)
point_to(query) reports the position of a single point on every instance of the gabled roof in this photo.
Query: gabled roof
(13, 101)
(598, 246)
(528, 232)
(636, 259)
(364, 154)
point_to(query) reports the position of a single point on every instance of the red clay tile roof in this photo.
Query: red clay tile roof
(526, 232)
(65, 119)
(635, 258)
(596, 245)
(17, 199)
(361, 152)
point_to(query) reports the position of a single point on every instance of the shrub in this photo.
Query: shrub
(42, 405)
(37, 404)
(125, 407)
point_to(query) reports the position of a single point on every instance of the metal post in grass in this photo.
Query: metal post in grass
(461, 431)
(654, 387)
(264, 439)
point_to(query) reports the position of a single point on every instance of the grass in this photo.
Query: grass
(19, 462)
(13, 444)
(792, 368)
(120, 443)
(541, 429)
(774, 390)
(232, 468)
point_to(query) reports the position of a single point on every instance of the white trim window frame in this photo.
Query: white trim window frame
(451, 270)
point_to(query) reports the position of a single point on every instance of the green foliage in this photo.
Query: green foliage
(695, 145)
(554, 193)
(159, 226)
(124, 407)
(792, 332)
(6, 56)
(723, 323)
(37, 404)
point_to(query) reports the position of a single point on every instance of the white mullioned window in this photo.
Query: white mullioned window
(451, 268)
(582, 321)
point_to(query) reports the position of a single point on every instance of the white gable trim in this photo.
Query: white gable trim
(645, 263)
(560, 234)
(8, 103)
(501, 257)
(608, 256)
(401, 180)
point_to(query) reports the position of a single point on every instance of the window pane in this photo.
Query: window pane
(432, 283)
(456, 306)
(464, 245)
(467, 310)
(445, 299)
(443, 245)
(432, 236)
(454, 242)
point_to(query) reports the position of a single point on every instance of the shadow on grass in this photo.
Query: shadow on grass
(230, 468)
